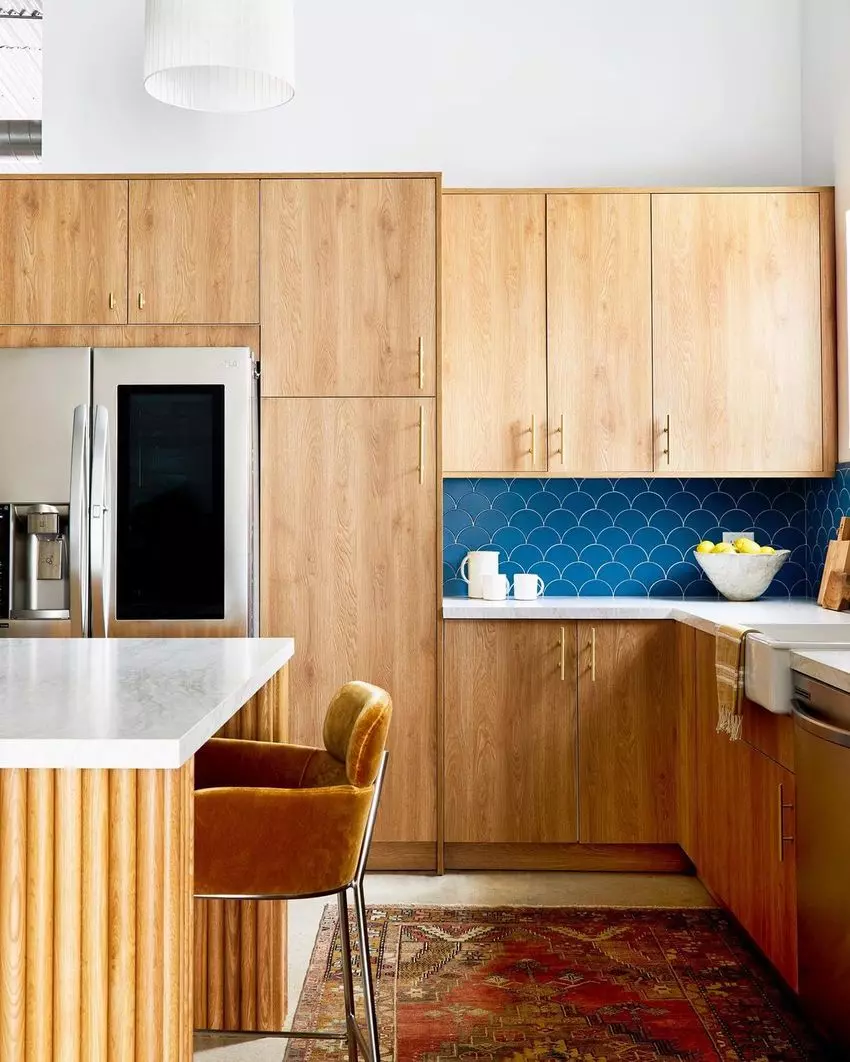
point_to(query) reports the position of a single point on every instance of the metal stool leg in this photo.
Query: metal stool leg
(366, 963)
(347, 978)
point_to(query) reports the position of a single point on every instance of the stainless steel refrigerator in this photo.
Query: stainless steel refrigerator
(128, 492)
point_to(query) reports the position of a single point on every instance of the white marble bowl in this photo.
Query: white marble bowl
(742, 576)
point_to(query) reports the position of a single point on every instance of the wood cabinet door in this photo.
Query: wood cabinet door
(510, 732)
(348, 563)
(194, 251)
(599, 313)
(63, 252)
(627, 732)
(349, 286)
(737, 331)
(494, 333)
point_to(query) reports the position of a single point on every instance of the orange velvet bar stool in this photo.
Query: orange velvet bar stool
(283, 822)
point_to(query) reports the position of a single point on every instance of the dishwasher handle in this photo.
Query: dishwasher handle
(836, 735)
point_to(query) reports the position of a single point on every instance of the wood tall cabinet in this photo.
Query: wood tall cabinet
(63, 251)
(348, 270)
(741, 368)
(510, 732)
(194, 251)
(494, 333)
(746, 826)
(599, 322)
(349, 551)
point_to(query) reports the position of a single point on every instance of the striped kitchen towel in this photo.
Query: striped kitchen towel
(729, 669)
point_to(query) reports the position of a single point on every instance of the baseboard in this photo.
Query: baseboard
(655, 858)
(403, 855)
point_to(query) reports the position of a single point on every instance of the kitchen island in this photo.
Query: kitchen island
(97, 739)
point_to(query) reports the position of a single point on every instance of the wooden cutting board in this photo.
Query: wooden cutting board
(835, 584)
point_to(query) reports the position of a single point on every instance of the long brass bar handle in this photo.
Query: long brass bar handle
(421, 364)
(666, 432)
(563, 654)
(141, 300)
(421, 444)
(782, 808)
(593, 654)
(112, 300)
(561, 433)
(533, 449)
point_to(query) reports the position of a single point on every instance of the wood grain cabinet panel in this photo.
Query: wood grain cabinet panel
(599, 313)
(63, 252)
(494, 333)
(349, 275)
(737, 332)
(194, 251)
(628, 705)
(510, 726)
(349, 548)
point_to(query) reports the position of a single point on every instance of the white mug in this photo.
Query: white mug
(528, 587)
(478, 563)
(495, 587)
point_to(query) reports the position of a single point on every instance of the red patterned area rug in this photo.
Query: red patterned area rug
(583, 984)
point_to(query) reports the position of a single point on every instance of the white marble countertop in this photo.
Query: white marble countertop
(125, 703)
(831, 666)
(704, 615)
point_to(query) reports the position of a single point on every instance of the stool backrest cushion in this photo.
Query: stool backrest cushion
(355, 732)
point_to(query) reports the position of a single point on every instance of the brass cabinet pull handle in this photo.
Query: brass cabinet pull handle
(533, 450)
(560, 431)
(141, 300)
(421, 364)
(421, 444)
(563, 644)
(593, 654)
(666, 432)
(782, 808)
(112, 300)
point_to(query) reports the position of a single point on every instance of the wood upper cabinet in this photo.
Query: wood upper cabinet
(628, 705)
(63, 251)
(194, 251)
(349, 268)
(348, 568)
(737, 316)
(599, 300)
(494, 333)
(510, 726)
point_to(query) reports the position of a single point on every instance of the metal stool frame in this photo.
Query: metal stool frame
(353, 1035)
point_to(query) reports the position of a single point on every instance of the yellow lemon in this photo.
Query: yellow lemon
(746, 545)
(767, 549)
(705, 547)
(740, 543)
(724, 547)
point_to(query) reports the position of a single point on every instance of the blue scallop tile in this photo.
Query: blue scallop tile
(526, 520)
(578, 573)
(630, 556)
(788, 538)
(700, 522)
(561, 521)
(648, 538)
(544, 538)
(456, 520)
(613, 538)
(561, 488)
(683, 574)
(525, 488)
(457, 488)
(453, 555)
(473, 504)
(543, 503)
(702, 589)
(508, 538)
(595, 555)
(753, 503)
(595, 487)
(736, 520)
(718, 503)
(578, 538)
(665, 521)
(579, 503)
(525, 556)
(561, 588)
(798, 520)
(491, 488)
(630, 487)
(596, 588)
(613, 574)
(547, 572)
(630, 588)
(665, 488)
(491, 521)
(648, 573)
(701, 488)
(510, 568)
(448, 538)
(454, 588)
(683, 539)
(801, 589)
(787, 504)
(473, 538)
(665, 588)
(665, 556)
(683, 502)
(561, 556)
(596, 521)
(613, 502)
(508, 502)
(648, 503)
(631, 521)
(769, 523)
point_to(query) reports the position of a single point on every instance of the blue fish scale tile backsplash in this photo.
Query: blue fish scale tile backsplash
(599, 537)
(828, 500)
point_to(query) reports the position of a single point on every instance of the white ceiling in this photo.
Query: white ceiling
(20, 61)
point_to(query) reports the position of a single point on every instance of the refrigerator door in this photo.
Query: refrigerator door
(172, 526)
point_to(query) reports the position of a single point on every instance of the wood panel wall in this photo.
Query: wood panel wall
(95, 915)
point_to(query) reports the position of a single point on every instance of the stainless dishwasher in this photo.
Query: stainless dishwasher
(822, 756)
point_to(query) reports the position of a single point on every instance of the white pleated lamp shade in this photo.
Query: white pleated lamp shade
(220, 55)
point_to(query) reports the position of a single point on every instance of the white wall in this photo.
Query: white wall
(491, 92)
(826, 151)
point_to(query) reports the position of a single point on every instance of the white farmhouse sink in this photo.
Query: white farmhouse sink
(767, 671)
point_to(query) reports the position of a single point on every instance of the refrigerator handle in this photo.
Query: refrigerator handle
(78, 519)
(100, 520)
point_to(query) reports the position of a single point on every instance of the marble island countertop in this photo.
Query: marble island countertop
(125, 703)
(704, 615)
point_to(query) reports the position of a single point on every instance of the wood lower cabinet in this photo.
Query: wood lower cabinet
(510, 730)
(348, 563)
(349, 281)
(494, 333)
(194, 251)
(746, 824)
(628, 707)
(599, 323)
(63, 251)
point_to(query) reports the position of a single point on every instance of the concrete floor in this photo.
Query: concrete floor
(485, 889)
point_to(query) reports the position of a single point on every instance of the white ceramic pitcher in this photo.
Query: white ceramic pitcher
(475, 566)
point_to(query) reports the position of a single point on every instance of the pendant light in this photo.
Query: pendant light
(220, 55)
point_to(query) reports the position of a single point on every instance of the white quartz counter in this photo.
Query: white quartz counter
(831, 666)
(125, 703)
(704, 615)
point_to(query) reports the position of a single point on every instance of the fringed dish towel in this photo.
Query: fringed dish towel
(729, 668)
